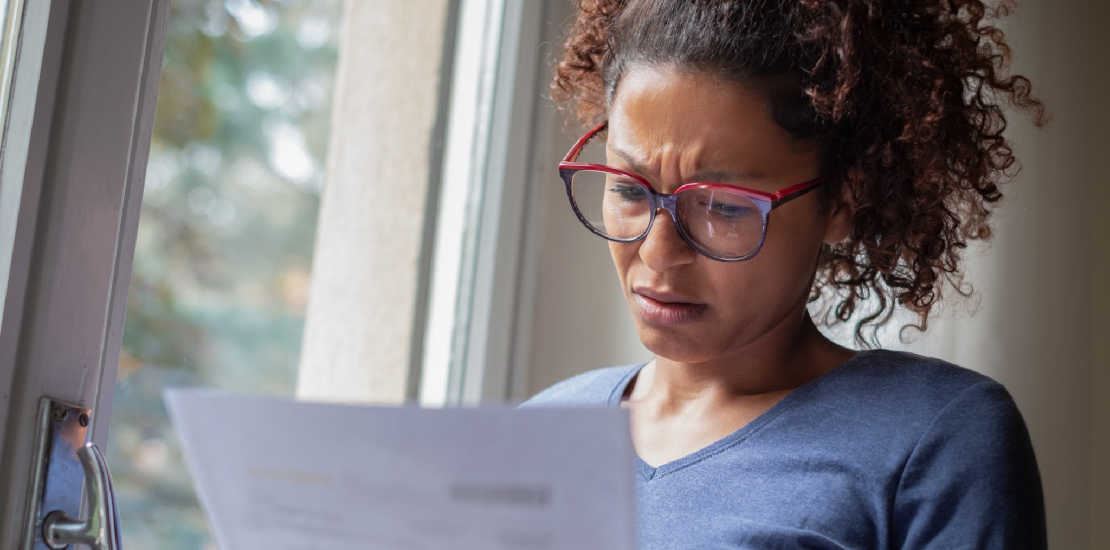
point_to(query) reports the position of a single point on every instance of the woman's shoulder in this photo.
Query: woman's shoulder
(911, 390)
(592, 387)
(960, 444)
(902, 372)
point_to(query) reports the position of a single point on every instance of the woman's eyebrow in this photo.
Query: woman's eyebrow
(704, 175)
(726, 176)
(629, 158)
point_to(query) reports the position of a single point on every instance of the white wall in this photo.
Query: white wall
(363, 290)
(1041, 311)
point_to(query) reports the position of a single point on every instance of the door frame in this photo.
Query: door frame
(77, 219)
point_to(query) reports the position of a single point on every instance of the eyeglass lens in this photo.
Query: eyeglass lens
(724, 223)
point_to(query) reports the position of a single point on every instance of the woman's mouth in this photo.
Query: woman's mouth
(661, 308)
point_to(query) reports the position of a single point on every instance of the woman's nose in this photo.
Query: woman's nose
(664, 248)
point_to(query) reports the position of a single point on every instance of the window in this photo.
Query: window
(240, 216)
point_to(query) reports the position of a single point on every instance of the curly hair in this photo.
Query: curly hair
(904, 98)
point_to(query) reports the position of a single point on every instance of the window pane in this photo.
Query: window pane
(226, 234)
(11, 12)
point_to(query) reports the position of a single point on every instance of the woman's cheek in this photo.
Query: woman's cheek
(788, 260)
(622, 255)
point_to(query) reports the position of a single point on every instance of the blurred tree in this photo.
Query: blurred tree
(225, 235)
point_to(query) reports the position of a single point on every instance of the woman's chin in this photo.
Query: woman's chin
(674, 344)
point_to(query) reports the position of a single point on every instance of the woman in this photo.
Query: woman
(758, 156)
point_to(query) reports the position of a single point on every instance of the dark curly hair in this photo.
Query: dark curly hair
(903, 96)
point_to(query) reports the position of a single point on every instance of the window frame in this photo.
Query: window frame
(475, 335)
(90, 96)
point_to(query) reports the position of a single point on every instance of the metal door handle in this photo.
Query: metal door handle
(100, 530)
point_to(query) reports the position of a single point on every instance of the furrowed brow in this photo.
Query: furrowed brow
(637, 166)
(726, 176)
(706, 175)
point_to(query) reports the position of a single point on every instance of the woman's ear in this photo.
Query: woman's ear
(839, 222)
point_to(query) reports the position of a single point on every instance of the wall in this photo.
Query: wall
(358, 328)
(1096, 148)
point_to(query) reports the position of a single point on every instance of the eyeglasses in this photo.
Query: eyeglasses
(725, 222)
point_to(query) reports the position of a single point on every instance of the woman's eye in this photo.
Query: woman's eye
(726, 210)
(630, 192)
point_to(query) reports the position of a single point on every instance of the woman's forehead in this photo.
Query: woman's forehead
(692, 95)
(654, 109)
(661, 126)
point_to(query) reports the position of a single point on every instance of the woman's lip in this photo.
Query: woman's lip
(663, 296)
(656, 312)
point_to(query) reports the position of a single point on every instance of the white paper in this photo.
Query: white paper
(279, 474)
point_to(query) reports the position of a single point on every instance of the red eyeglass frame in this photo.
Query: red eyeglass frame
(766, 201)
(777, 198)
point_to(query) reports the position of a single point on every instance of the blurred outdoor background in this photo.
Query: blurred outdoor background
(225, 240)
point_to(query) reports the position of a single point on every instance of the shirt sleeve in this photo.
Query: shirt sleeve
(971, 481)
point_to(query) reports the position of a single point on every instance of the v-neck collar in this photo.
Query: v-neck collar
(649, 472)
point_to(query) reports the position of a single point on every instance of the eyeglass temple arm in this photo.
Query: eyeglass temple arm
(578, 145)
(783, 196)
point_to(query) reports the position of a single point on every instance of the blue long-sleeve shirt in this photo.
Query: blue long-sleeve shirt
(889, 450)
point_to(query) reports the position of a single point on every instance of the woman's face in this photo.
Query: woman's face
(673, 127)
